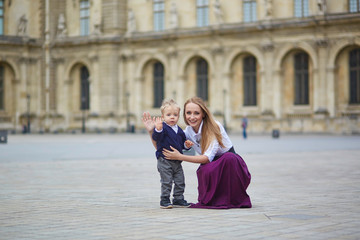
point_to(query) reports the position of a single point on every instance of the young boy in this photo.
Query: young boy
(167, 133)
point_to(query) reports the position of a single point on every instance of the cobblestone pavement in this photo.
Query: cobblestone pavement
(107, 187)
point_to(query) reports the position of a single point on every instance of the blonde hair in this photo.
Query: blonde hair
(210, 129)
(167, 103)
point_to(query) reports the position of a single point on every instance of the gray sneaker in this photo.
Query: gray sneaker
(181, 203)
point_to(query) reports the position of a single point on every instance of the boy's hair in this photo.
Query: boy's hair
(167, 103)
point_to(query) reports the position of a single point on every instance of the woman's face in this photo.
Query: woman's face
(194, 115)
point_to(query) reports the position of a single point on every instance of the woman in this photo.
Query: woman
(223, 176)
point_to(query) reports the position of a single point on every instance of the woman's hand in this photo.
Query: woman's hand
(148, 122)
(172, 155)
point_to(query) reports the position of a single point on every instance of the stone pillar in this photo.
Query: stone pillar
(171, 86)
(60, 93)
(320, 89)
(181, 88)
(316, 89)
(331, 90)
(22, 87)
(217, 85)
(277, 93)
(266, 77)
(122, 84)
(131, 100)
(95, 85)
(228, 111)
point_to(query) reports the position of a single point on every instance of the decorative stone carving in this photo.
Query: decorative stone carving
(61, 28)
(268, 9)
(22, 26)
(218, 12)
(131, 23)
(97, 23)
(321, 4)
(322, 42)
(173, 16)
(267, 46)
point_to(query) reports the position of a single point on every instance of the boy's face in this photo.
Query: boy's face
(171, 115)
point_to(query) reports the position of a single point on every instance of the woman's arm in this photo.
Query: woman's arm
(176, 155)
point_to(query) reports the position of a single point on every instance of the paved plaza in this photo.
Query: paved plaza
(106, 186)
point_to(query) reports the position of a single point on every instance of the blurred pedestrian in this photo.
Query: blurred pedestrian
(244, 125)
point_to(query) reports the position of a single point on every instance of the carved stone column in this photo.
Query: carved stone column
(266, 74)
(320, 83)
(60, 89)
(95, 85)
(277, 92)
(331, 89)
(216, 95)
(171, 87)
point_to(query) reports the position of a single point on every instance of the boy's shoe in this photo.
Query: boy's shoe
(181, 203)
(165, 204)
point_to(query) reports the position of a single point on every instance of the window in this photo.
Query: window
(301, 8)
(354, 62)
(1, 17)
(202, 13)
(301, 65)
(159, 15)
(2, 91)
(84, 17)
(249, 69)
(202, 79)
(158, 84)
(85, 89)
(249, 7)
(354, 5)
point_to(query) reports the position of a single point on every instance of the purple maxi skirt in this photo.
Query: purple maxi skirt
(222, 183)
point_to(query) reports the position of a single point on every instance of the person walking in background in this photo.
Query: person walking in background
(167, 133)
(223, 176)
(244, 125)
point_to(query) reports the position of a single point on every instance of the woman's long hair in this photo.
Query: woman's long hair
(210, 129)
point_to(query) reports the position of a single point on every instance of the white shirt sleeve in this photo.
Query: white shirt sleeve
(212, 150)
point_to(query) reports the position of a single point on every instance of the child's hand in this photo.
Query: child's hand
(188, 144)
(158, 123)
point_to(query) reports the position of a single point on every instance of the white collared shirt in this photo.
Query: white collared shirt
(175, 128)
(214, 149)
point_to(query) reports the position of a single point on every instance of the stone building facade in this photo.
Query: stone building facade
(292, 65)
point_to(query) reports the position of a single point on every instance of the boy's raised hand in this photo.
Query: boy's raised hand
(188, 144)
(158, 123)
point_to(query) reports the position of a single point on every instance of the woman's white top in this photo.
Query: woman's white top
(214, 148)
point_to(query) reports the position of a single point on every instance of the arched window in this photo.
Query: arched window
(301, 67)
(158, 84)
(2, 90)
(159, 15)
(249, 69)
(354, 67)
(84, 17)
(202, 13)
(84, 89)
(202, 79)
